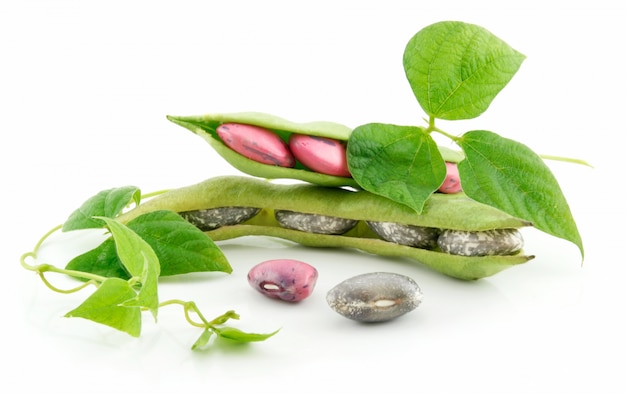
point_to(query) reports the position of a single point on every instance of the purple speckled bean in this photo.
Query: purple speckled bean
(285, 279)
(323, 155)
(256, 143)
(452, 183)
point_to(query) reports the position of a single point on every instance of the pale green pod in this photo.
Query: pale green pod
(206, 125)
(454, 211)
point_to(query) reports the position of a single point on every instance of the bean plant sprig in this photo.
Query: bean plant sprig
(455, 70)
(126, 267)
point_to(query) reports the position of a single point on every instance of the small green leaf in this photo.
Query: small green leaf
(509, 176)
(141, 262)
(456, 69)
(104, 306)
(243, 337)
(398, 162)
(148, 295)
(107, 203)
(222, 319)
(203, 340)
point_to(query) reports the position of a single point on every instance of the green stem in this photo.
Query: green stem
(565, 159)
(448, 135)
(153, 194)
(65, 291)
(189, 306)
(33, 254)
(431, 124)
(43, 268)
(433, 128)
(91, 279)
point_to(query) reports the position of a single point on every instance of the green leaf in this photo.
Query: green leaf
(398, 162)
(180, 246)
(102, 260)
(203, 340)
(222, 319)
(107, 203)
(141, 262)
(456, 69)
(509, 176)
(243, 337)
(104, 306)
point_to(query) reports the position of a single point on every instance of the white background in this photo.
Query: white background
(84, 90)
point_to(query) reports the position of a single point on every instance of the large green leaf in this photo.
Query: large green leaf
(181, 248)
(456, 69)
(401, 163)
(508, 175)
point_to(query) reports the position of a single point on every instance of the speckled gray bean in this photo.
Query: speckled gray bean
(481, 243)
(375, 297)
(407, 235)
(210, 219)
(314, 223)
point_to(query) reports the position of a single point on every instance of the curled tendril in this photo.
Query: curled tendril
(41, 269)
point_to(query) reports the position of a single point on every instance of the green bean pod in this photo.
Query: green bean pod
(445, 211)
(206, 125)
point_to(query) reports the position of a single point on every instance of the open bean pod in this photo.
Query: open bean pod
(442, 211)
(207, 126)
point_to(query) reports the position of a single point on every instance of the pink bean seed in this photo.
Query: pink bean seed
(285, 279)
(256, 143)
(323, 155)
(452, 183)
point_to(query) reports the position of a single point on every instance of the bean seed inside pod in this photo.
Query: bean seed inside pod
(256, 143)
(323, 155)
(452, 182)
(375, 297)
(210, 219)
(407, 235)
(314, 223)
(285, 279)
(481, 243)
